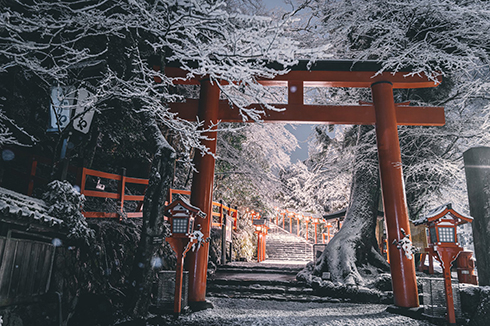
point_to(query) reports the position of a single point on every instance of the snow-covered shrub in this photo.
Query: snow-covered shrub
(244, 240)
(66, 203)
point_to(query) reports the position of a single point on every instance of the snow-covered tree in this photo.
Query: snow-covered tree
(249, 163)
(110, 47)
(431, 38)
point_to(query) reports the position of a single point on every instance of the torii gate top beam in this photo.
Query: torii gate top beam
(323, 74)
(330, 73)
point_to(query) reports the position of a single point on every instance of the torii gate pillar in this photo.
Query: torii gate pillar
(392, 186)
(202, 194)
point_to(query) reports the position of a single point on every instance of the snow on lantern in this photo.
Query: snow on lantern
(181, 216)
(443, 244)
(183, 237)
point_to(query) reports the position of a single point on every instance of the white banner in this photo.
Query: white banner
(62, 98)
(83, 114)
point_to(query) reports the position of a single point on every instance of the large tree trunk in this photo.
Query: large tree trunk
(355, 244)
(153, 229)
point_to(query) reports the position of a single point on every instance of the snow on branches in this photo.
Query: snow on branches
(108, 47)
(430, 37)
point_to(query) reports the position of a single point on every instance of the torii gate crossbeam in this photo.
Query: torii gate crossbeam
(383, 113)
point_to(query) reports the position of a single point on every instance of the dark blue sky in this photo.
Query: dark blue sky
(301, 131)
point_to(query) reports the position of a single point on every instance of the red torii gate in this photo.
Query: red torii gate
(383, 113)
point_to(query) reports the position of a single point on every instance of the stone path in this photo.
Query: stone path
(245, 312)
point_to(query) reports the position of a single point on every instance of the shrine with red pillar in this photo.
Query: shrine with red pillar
(384, 113)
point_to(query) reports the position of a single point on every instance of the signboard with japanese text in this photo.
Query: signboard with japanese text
(62, 98)
(83, 113)
(229, 228)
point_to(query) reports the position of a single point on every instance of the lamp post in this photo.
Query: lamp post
(182, 238)
(444, 246)
(315, 221)
(261, 230)
(307, 220)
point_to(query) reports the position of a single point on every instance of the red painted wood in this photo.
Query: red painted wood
(202, 191)
(396, 213)
(320, 114)
(328, 79)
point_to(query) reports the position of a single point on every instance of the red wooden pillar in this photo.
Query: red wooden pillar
(402, 269)
(297, 226)
(202, 192)
(306, 226)
(316, 236)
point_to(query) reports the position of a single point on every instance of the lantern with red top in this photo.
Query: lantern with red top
(261, 229)
(183, 237)
(443, 244)
(181, 217)
(315, 221)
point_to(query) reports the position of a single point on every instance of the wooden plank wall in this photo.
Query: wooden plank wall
(25, 270)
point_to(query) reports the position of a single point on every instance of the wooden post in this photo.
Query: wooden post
(447, 256)
(221, 212)
(297, 226)
(235, 220)
(306, 225)
(202, 193)
(32, 174)
(83, 181)
(402, 269)
(122, 188)
(180, 247)
(316, 237)
(178, 282)
(223, 233)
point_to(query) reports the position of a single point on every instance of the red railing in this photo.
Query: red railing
(120, 195)
(300, 219)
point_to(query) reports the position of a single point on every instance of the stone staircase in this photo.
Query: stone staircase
(283, 246)
(272, 279)
(261, 281)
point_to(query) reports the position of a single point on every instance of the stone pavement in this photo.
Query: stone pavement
(244, 312)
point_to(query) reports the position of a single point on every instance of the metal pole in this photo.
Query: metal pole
(202, 192)
(402, 269)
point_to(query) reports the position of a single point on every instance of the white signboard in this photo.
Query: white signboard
(83, 114)
(62, 98)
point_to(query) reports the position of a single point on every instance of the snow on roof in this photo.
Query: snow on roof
(196, 210)
(25, 209)
(441, 211)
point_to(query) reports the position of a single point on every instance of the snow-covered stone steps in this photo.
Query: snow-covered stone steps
(277, 297)
(261, 289)
(261, 269)
(282, 245)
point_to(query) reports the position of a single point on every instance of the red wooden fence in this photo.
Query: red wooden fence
(121, 195)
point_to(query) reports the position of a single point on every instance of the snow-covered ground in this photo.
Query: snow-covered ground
(243, 312)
